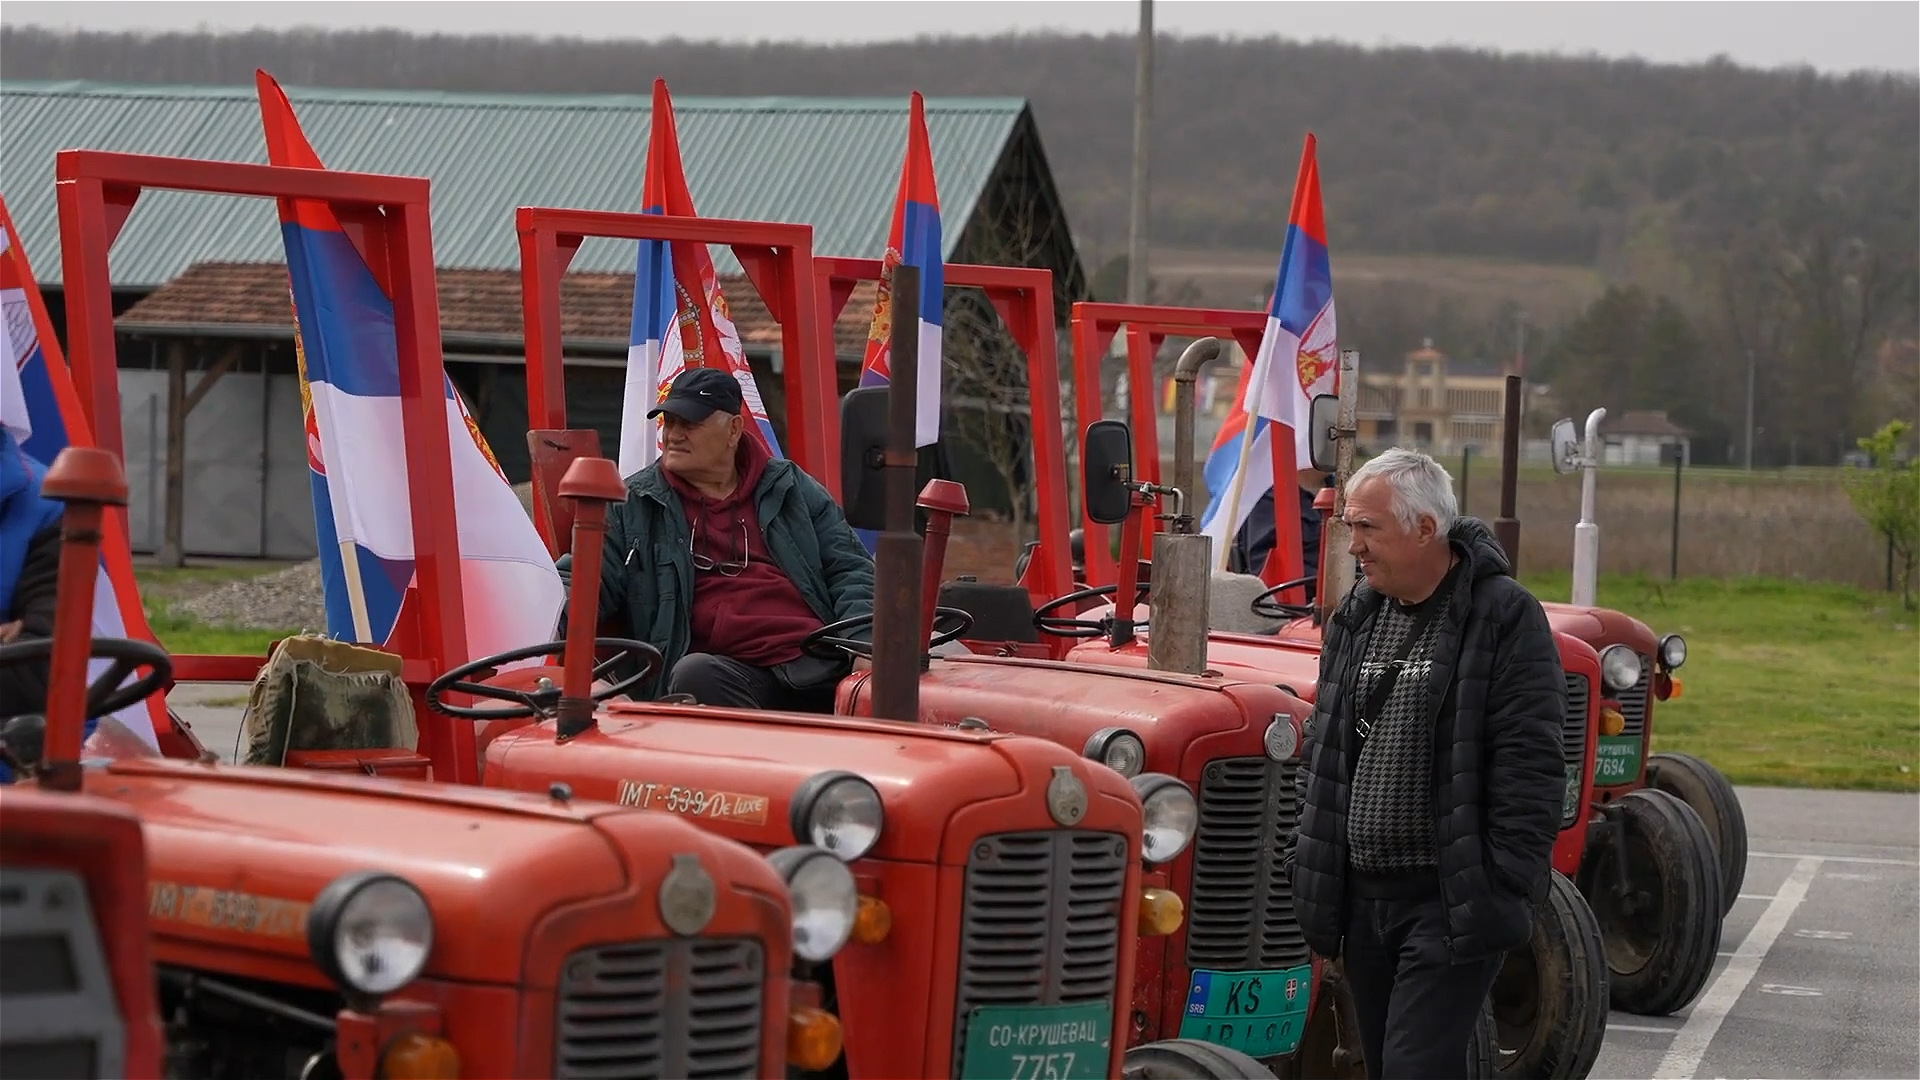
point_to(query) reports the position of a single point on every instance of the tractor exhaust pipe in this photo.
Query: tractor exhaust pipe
(1178, 600)
(1506, 528)
(897, 641)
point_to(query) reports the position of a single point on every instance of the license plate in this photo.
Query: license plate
(1038, 1042)
(1259, 1013)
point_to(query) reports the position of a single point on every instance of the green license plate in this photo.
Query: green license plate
(1259, 1013)
(1038, 1042)
(1617, 760)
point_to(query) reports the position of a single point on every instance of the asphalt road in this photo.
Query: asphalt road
(1819, 968)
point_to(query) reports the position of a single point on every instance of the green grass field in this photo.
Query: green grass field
(1786, 683)
(180, 633)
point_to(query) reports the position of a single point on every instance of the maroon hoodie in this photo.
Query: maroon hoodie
(753, 614)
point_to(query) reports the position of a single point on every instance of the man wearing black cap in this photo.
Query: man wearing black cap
(724, 558)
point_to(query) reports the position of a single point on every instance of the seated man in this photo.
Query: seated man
(29, 575)
(724, 558)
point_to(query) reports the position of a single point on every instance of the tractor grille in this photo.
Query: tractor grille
(1240, 908)
(661, 1009)
(1573, 737)
(1633, 701)
(1041, 923)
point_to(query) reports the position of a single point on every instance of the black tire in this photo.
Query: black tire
(1483, 1049)
(1189, 1059)
(1550, 1002)
(1661, 938)
(1701, 786)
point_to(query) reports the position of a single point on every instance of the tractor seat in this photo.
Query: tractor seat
(1230, 604)
(333, 706)
(1000, 612)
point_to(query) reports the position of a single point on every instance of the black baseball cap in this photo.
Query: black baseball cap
(698, 393)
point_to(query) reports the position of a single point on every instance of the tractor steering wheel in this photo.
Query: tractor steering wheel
(831, 642)
(105, 695)
(1267, 607)
(543, 701)
(1073, 626)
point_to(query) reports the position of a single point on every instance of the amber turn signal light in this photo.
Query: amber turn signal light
(873, 921)
(1161, 913)
(813, 1038)
(418, 1056)
(1611, 722)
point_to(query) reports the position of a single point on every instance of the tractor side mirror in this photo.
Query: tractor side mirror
(1323, 414)
(1106, 460)
(863, 446)
(1566, 447)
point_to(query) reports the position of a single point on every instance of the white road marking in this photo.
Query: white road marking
(1755, 896)
(1791, 991)
(1832, 858)
(1824, 935)
(1645, 1029)
(1690, 1043)
(1839, 875)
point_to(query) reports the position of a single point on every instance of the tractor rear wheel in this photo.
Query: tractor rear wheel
(1701, 786)
(1550, 998)
(1188, 1059)
(1661, 931)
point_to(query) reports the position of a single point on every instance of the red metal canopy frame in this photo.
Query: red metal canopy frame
(1148, 326)
(386, 218)
(777, 257)
(1024, 298)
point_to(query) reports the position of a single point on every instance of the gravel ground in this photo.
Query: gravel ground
(287, 599)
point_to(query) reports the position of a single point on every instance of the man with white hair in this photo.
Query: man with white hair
(1430, 796)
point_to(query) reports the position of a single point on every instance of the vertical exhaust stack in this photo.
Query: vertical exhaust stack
(1179, 597)
(897, 644)
(1506, 528)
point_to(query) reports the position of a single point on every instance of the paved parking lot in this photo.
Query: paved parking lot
(1819, 969)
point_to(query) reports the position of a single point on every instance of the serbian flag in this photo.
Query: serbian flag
(914, 239)
(1296, 362)
(680, 318)
(39, 407)
(348, 360)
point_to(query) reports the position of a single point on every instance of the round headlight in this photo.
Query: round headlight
(824, 898)
(1619, 667)
(1673, 651)
(370, 931)
(839, 812)
(1118, 749)
(1282, 739)
(1170, 816)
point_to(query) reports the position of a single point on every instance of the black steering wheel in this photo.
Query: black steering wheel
(831, 642)
(1267, 607)
(543, 701)
(1073, 626)
(105, 695)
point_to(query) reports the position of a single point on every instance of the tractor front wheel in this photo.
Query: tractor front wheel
(1188, 1059)
(1702, 787)
(1550, 998)
(1654, 885)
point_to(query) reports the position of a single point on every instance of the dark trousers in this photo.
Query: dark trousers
(1417, 1008)
(722, 680)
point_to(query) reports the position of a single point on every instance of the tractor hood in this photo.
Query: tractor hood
(736, 771)
(236, 855)
(1601, 627)
(1236, 657)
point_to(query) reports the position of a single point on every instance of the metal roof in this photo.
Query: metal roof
(833, 163)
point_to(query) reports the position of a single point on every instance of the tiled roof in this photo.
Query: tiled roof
(474, 304)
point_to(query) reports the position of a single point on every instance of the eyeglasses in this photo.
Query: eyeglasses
(732, 568)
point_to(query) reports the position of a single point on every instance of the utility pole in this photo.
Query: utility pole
(1142, 121)
(1749, 410)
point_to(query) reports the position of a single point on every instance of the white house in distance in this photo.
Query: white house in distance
(1641, 437)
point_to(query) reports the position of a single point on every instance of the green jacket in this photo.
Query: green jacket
(646, 568)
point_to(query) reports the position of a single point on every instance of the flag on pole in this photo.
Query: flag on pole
(671, 329)
(348, 360)
(1296, 362)
(914, 239)
(41, 411)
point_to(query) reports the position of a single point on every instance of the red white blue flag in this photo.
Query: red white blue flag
(914, 239)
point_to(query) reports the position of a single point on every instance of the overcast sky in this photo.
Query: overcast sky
(1830, 36)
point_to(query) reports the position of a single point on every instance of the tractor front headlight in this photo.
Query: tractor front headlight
(1673, 651)
(1118, 749)
(1170, 816)
(838, 811)
(1619, 667)
(370, 931)
(824, 897)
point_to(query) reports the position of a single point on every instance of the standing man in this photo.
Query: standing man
(724, 558)
(1431, 792)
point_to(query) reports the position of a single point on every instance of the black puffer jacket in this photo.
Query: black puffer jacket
(23, 687)
(1500, 696)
